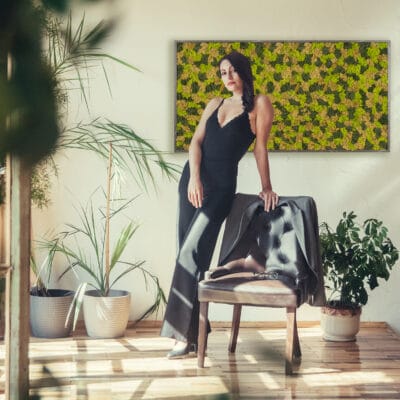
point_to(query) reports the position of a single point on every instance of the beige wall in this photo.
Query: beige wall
(368, 183)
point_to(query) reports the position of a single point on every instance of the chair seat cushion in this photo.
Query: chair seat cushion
(248, 289)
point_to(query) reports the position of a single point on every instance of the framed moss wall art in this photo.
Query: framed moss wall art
(327, 95)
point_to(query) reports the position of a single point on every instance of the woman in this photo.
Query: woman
(207, 188)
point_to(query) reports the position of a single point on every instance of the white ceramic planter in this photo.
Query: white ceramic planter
(48, 314)
(340, 325)
(106, 317)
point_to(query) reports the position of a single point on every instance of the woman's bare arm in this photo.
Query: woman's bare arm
(264, 117)
(195, 187)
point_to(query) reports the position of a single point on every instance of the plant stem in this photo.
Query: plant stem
(107, 240)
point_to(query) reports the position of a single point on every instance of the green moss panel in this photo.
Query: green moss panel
(327, 96)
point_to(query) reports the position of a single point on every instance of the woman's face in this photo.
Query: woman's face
(230, 77)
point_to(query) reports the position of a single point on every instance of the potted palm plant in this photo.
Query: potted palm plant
(70, 55)
(354, 258)
(105, 310)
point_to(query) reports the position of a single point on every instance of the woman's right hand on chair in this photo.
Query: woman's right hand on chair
(270, 199)
(195, 192)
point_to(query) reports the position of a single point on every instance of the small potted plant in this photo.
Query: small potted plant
(50, 309)
(105, 310)
(354, 258)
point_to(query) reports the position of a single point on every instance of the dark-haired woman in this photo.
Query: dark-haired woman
(207, 187)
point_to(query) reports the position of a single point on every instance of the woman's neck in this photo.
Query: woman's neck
(236, 97)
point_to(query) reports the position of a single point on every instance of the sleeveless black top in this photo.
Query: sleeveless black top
(222, 149)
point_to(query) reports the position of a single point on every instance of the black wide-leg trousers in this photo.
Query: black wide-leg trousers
(198, 230)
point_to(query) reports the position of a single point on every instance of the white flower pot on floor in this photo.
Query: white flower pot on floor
(340, 325)
(106, 317)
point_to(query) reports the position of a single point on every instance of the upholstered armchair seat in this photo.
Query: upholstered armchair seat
(247, 288)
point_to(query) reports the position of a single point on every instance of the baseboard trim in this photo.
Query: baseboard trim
(255, 324)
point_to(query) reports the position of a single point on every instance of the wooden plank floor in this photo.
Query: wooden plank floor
(135, 367)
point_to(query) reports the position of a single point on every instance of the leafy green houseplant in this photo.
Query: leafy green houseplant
(354, 257)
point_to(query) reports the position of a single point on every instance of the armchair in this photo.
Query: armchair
(268, 260)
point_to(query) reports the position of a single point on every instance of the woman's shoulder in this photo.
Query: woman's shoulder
(262, 103)
(214, 102)
(262, 100)
(212, 105)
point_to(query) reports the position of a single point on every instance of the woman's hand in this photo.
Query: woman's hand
(270, 199)
(195, 192)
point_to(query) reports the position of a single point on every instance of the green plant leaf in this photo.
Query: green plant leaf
(131, 267)
(76, 304)
(123, 240)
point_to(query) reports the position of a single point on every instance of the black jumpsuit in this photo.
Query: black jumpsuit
(198, 228)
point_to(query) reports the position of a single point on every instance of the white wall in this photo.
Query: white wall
(368, 183)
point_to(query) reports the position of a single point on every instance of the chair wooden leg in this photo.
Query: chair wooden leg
(202, 339)
(237, 309)
(290, 339)
(296, 344)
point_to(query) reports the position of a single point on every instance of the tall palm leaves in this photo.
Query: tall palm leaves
(129, 149)
(72, 55)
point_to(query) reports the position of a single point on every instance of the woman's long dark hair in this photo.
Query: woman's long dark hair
(242, 66)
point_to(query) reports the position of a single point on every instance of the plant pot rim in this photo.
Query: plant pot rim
(52, 292)
(112, 293)
(341, 311)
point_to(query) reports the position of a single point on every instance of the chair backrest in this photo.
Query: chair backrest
(276, 242)
(247, 231)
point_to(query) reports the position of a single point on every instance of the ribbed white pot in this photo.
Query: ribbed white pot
(48, 314)
(106, 317)
(340, 325)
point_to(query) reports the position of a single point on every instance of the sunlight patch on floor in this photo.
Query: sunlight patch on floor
(346, 378)
(250, 358)
(157, 364)
(272, 334)
(268, 380)
(206, 385)
(100, 391)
